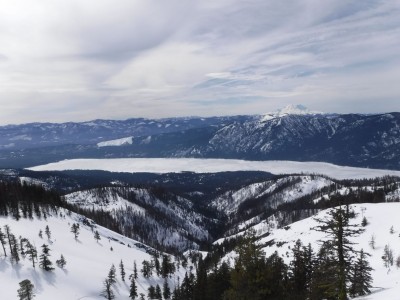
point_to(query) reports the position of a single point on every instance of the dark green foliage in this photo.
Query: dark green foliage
(107, 291)
(31, 252)
(166, 290)
(3, 241)
(47, 232)
(44, 261)
(133, 289)
(75, 229)
(25, 291)
(97, 236)
(338, 230)
(61, 262)
(147, 269)
(361, 277)
(112, 275)
(122, 270)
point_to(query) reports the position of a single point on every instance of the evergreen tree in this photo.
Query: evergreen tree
(25, 291)
(301, 270)
(3, 241)
(133, 289)
(135, 272)
(372, 241)
(387, 256)
(112, 275)
(107, 291)
(364, 222)
(97, 236)
(338, 230)
(167, 291)
(31, 252)
(122, 270)
(141, 296)
(47, 232)
(151, 292)
(146, 269)
(40, 233)
(14, 248)
(246, 276)
(157, 293)
(361, 277)
(167, 267)
(75, 230)
(44, 261)
(61, 262)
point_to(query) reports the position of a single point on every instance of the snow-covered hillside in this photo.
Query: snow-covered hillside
(117, 142)
(290, 188)
(171, 165)
(88, 261)
(381, 217)
(289, 110)
(171, 222)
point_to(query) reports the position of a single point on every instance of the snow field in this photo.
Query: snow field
(176, 165)
(88, 262)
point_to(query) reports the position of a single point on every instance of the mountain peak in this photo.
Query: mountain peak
(290, 109)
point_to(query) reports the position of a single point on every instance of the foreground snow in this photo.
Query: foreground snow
(87, 266)
(174, 165)
(381, 217)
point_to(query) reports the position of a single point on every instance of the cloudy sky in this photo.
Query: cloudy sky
(73, 60)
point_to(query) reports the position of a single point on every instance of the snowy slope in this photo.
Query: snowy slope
(117, 142)
(381, 217)
(168, 165)
(87, 266)
(171, 223)
(290, 109)
(301, 185)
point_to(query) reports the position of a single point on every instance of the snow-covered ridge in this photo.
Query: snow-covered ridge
(117, 142)
(176, 165)
(289, 110)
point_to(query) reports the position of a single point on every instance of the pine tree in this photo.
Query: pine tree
(14, 248)
(364, 222)
(338, 230)
(391, 230)
(387, 256)
(25, 291)
(146, 269)
(31, 252)
(75, 230)
(122, 270)
(151, 292)
(44, 261)
(47, 232)
(135, 272)
(112, 275)
(3, 241)
(97, 236)
(372, 241)
(40, 233)
(361, 277)
(107, 291)
(61, 262)
(133, 289)
(166, 290)
(157, 293)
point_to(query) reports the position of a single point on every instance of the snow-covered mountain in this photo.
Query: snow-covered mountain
(292, 134)
(289, 110)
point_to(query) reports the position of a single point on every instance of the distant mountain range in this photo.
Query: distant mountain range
(293, 133)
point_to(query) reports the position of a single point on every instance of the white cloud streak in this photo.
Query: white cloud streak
(77, 60)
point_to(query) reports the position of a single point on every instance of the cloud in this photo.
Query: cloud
(79, 60)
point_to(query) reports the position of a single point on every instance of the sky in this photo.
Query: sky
(74, 60)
